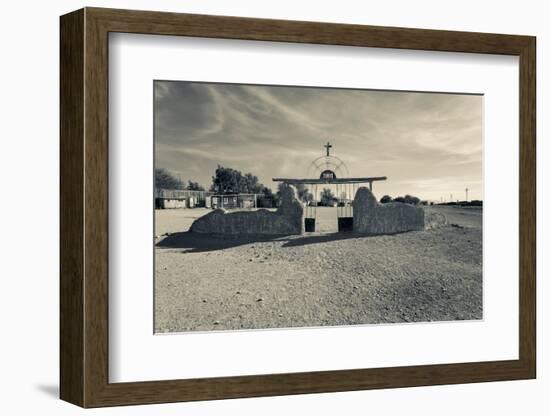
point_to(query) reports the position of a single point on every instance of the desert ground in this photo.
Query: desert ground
(205, 283)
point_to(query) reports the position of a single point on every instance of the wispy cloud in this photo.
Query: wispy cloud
(426, 143)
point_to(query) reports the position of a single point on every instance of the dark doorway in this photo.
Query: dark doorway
(345, 224)
(310, 225)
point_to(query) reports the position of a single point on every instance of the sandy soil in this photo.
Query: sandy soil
(325, 278)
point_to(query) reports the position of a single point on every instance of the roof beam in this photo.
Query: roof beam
(312, 181)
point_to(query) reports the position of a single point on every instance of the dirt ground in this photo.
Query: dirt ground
(205, 283)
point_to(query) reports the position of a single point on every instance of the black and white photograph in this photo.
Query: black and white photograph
(266, 208)
(291, 206)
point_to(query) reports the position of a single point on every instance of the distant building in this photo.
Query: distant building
(175, 198)
(231, 201)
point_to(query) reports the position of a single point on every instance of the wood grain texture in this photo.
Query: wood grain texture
(96, 208)
(84, 207)
(226, 27)
(528, 208)
(71, 208)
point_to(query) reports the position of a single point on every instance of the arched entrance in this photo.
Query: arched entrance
(328, 193)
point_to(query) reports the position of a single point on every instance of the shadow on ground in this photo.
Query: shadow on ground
(198, 243)
(51, 390)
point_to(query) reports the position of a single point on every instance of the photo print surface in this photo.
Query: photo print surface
(285, 206)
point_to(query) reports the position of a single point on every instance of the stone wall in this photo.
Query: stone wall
(287, 220)
(371, 217)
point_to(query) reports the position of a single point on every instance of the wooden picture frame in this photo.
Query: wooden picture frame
(84, 207)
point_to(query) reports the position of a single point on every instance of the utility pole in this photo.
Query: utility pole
(467, 194)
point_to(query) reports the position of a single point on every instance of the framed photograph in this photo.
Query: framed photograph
(256, 207)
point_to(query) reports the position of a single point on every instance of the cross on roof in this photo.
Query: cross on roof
(328, 146)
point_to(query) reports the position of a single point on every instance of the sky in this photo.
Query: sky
(427, 144)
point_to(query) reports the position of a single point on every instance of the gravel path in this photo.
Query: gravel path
(205, 283)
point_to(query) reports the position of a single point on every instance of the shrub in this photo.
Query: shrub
(407, 199)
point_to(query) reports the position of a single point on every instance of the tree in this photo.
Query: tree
(327, 197)
(250, 184)
(407, 199)
(194, 186)
(165, 180)
(385, 199)
(268, 199)
(268, 193)
(228, 181)
(303, 193)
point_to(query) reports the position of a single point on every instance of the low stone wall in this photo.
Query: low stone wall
(371, 217)
(287, 220)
